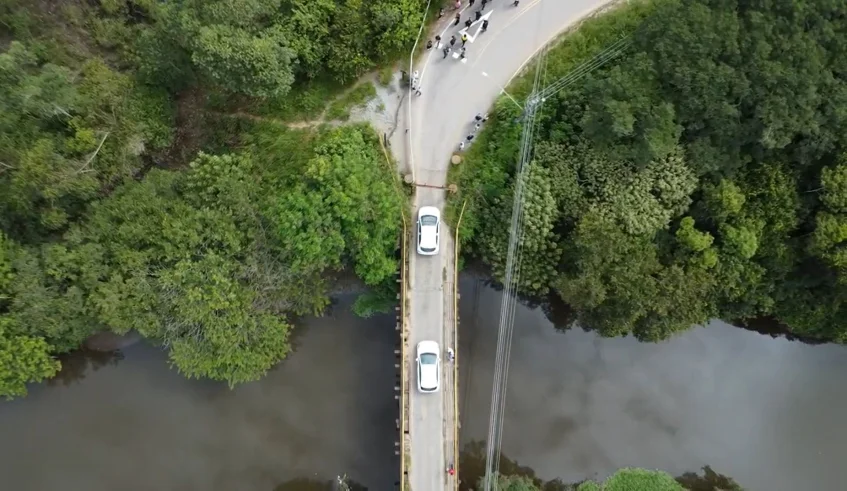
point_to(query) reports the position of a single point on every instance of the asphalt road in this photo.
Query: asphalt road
(453, 91)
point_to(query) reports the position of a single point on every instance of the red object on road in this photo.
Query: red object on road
(451, 471)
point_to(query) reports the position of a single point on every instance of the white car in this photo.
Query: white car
(429, 366)
(429, 230)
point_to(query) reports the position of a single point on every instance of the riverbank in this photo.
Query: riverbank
(578, 406)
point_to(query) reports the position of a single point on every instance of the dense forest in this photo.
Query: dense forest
(701, 174)
(130, 199)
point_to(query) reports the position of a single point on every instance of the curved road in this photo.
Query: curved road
(452, 93)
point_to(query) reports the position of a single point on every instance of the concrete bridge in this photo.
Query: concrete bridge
(453, 91)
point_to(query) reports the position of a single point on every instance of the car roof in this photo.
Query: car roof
(429, 210)
(429, 377)
(428, 347)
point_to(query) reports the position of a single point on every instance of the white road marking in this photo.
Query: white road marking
(466, 30)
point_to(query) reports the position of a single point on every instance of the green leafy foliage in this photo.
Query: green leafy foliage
(381, 300)
(67, 135)
(344, 208)
(23, 359)
(98, 98)
(702, 174)
(259, 66)
(637, 479)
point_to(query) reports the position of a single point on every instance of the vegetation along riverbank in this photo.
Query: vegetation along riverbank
(701, 174)
(163, 169)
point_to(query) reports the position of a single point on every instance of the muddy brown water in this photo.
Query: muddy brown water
(765, 411)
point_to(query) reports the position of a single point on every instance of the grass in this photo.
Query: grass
(305, 102)
(340, 108)
(386, 75)
(585, 39)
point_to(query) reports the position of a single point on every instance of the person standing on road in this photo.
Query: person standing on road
(464, 39)
(437, 42)
(458, 4)
(468, 23)
(478, 117)
(517, 2)
(462, 55)
(452, 40)
(429, 44)
(478, 14)
(470, 3)
(476, 127)
(461, 146)
(458, 18)
(446, 52)
(483, 4)
(470, 137)
(485, 25)
(441, 13)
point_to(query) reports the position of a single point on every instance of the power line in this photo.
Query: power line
(509, 299)
(514, 256)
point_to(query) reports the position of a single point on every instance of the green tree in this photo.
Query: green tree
(66, 136)
(23, 360)
(210, 326)
(259, 65)
(641, 479)
(344, 208)
(628, 116)
(537, 249)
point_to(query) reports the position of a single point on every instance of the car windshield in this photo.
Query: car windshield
(428, 220)
(428, 359)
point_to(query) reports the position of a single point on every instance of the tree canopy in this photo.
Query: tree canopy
(702, 174)
(128, 203)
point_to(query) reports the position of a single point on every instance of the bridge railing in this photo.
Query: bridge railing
(403, 444)
(456, 419)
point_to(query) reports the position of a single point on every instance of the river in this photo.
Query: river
(765, 411)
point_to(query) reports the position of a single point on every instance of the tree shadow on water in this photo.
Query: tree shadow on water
(306, 484)
(709, 481)
(472, 469)
(76, 364)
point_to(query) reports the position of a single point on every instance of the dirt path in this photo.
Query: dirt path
(296, 125)
(320, 120)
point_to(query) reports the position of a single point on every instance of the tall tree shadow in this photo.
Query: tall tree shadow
(76, 364)
(306, 484)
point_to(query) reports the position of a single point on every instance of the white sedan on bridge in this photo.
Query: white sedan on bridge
(429, 230)
(429, 366)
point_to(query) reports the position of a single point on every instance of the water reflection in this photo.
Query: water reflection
(767, 412)
(472, 466)
(139, 425)
(302, 484)
(76, 365)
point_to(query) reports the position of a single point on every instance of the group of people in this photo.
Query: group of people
(479, 119)
(448, 48)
